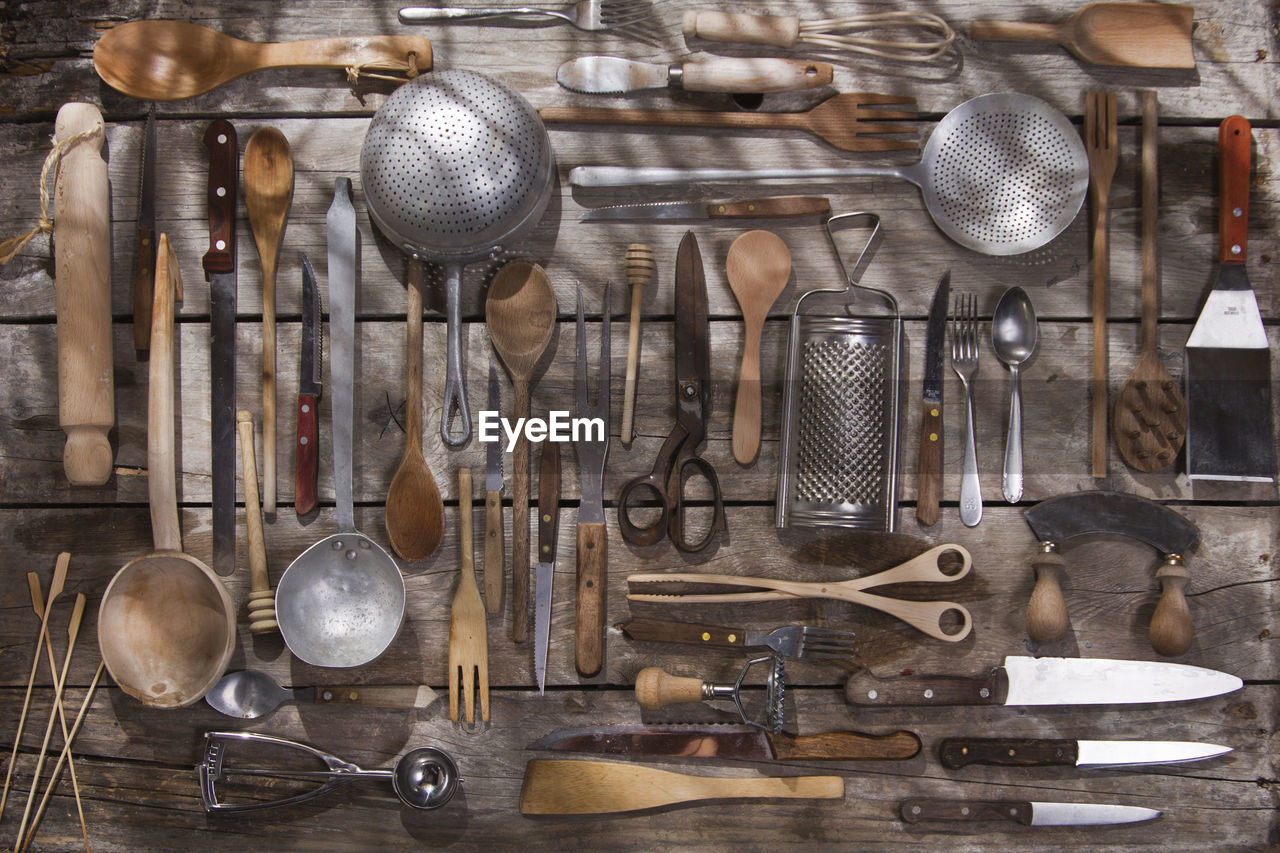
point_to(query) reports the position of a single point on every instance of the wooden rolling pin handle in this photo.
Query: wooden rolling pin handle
(1047, 619)
(749, 75)
(742, 28)
(1171, 629)
(1013, 31)
(656, 688)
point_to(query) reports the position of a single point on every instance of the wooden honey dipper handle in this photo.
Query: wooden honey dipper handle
(1047, 619)
(1171, 629)
(262, 599)
(639, 267)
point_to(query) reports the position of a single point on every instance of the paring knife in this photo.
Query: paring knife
(307, 452)
(680, 211)
(544, 573)
(1025, 813)
(1049, 681)
(929, 467)
(745, 743)
(1033, 752)
(220, 269)
(147, 247)
(494, 537)
(609, 75)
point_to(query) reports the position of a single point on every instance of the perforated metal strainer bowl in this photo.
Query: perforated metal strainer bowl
(455, 166)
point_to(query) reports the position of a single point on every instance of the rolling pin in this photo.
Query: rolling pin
(82, 275)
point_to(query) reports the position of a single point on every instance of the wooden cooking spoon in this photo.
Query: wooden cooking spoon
(172, 60)
(1141, 35)
(415, 512)
(268, 192)
(758, 268)
(520, 312)
(1150, 420)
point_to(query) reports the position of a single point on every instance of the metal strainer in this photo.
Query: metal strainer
(455, 165)
(1002, 174)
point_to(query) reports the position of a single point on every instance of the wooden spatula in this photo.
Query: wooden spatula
(602, 787)
(1141, 35)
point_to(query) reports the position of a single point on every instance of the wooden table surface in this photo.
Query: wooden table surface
(134, 763)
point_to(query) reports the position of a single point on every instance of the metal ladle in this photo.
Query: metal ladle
(1013, 337)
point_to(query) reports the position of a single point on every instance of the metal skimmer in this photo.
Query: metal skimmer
(839, 460)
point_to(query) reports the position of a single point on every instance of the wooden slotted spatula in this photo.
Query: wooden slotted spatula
(468, 642)
(602, 787)
(842, 121)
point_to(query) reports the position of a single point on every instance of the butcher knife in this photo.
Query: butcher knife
(1048, 681)
(683, 211)
(744, 743)
(1026, 813)
(929, 467)
(1228, 375)
(307, 461)
(611, 75)
(220, 270)
(1034, 752)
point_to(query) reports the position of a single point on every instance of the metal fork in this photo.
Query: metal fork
(964, 361)
(585, 15)
(806, 641)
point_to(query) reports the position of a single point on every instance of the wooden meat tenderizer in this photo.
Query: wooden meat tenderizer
(262, 598)
(82, 275)
(640, 267)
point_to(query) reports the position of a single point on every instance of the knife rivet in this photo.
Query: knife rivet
(220, 192)
(915, 810)
(733, 638)
(1012, 753)
(221, 245)
(546, 516)
(720, 208)
(222, 139)
(1235, 249)
(1235, 211)
(984, 693)
(964, 811)
(933, 436)
(751, 208)
(302, 439)
(872, 694)
(327, 695)
(305, 408)
(353, 696)
(705, 636)
(933, 413)
(928, 694)
(1013, 812)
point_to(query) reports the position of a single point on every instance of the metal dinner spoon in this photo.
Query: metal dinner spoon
(1013, 337)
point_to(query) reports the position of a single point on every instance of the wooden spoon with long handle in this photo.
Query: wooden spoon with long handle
(602, 787)
(758, 268)
(1141, 35)
(172, 60)
(268, 192)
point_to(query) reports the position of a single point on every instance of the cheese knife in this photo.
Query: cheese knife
(220, 269)
(929, 467)
(743, 743)
(1025, 813)
(307, 452)
(611, 75)
(1035, 752)
(680, 211)
(544, 572)
(494, 538)
(146, 254)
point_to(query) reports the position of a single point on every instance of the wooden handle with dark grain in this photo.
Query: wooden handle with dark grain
(1235, 139)
(656, 688)
(929, 465)
(914, 811)
(764, 208)
(1047, 617)
(590, 607)
(865, 689)
(145, 273)
(845, 746)
(1008, 752)
(494, 552)
(307, 455)
(382, 696)
(1171, 629)
(664, 631)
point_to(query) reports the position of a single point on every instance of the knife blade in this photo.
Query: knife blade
(929, 466)
(1033, 752)
(147, 248)
(220, 269)
(1026, 813)
(1049, 681)
(678, 211)
(612, 75)
(742, 743)
(310, 386)
(544, 573)
(494, 537)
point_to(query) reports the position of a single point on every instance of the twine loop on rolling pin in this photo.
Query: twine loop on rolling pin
(410, 70)
(44, 224)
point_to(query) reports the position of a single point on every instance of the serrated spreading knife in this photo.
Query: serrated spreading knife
(220, 269)
(544, 573)
(609, 75)
(929, 466)
(678, 211)
(494, 538)
(1038, 752)
(147, 247)
(307, 453)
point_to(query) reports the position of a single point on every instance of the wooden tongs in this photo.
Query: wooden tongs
(924, 616)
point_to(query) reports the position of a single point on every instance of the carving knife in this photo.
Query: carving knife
(1026, 813)
(494, 538)
(611, 75)
(929, 467)
(544, 573)
(1032, 752)
(1049, 681)
(683, 211)
(146, 265)
(307, 453)
(220, 270)
(743, 743)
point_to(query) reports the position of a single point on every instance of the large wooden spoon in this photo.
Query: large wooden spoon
(1142, 35)
(521, 314)
(171, 60)
(268, 192)
(758, 268)
(415, 512)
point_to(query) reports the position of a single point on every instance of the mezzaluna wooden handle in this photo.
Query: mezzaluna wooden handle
(1235, 138)
(754, 75)
(592, 557)
(162, 484)
(82, 279)
(929, 465)
(656, 688)
(383, 52)
(1008, 752)
(1047, 618)
(741, 27)
(1171, 628)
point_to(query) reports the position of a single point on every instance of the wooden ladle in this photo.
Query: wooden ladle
(268, 192)
(415, 512)
(171, 60)
(758, 268)
(520, 312)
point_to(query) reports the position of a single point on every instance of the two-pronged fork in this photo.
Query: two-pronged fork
(585, 15)
(964, 361)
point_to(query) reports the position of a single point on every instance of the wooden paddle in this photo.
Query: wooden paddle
(1140, 35)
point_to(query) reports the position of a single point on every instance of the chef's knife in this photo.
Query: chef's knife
(681, 211)
(743, 743)
(1026, 813)
(544, 573)
(1032, 752)
(611, 75)
(494, 539)
(146, 265)
(1048, 681)
(929, 467)
(220, 270)
(307, 456)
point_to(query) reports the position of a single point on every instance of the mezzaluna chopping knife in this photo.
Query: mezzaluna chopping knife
(1034, 752)
(147, 246)
(545, 571)
(740, 743)
(310, 385)
(220, 269)
(611, 75)
(929, 466)
(681, 211)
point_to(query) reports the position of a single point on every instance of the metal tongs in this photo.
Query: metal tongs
(425, 778)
